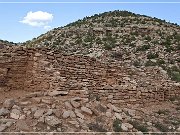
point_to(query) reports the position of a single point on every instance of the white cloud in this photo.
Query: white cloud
(38, 19)
(47, 27)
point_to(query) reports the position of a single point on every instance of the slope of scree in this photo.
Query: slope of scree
(132, 39)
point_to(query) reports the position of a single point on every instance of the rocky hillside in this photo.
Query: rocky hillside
(134, 40)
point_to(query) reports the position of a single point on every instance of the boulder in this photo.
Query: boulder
(57, 93)
(123, 127)
(49, 112)
(74, 123)
(3, 127)
(68, 105)
(39, 113)
(109, 114)
(118, 116)
(86, 110)
(9, 103)
(76, 99)
(80, 120)
(66, 114)
(115, 109)
(4, 112)
(72, 114)
(178, 129)
(75, 104)
(16, 107)
(58, 112)
(129, 126)
(130, 112)
(22, 125)
(52, 121)
(15, 114)
(78, 114)
(47, 101)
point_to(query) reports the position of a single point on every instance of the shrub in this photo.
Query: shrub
(117, 125)
(175, 76)
(160, 61)
(116, 55)
(161, 127)
(99, 41)
(148, 38)
(152, 55)
(165, 112)
(96, 127)
(137, 125)
(109, 46)
(78, 41)
(169, 49)
(137, 63)
(174, 98)
(143, 48)
(88, 39)
(150, 63)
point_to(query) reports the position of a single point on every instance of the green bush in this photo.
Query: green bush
(175, 76)
(96, 127)
(117, 125)
(98, 41)
(148, 38)
(174, 73)
(160, 62)
(137, 63)
(109, 46)
(165, 112)
(161, 127)
(169, 49)
(137, 125)
(150, 63)
(152, 55)
(78, 41)
(116, 55)
(88, 38)
(143, 48)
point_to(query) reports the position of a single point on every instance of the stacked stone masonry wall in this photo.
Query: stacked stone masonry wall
(46, 70)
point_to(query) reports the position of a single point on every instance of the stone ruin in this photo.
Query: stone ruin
(42, 69)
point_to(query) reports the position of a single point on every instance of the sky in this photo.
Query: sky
(23, 21)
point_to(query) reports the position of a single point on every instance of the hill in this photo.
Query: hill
(105, 73)
(135, 40)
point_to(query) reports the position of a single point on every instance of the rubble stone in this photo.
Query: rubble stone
(9, 103)
(52, 121)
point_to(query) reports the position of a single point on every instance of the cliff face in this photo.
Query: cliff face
(43, 69)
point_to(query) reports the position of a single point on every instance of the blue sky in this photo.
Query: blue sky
(12, 29)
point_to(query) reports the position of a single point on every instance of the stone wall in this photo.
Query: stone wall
(46, 70)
